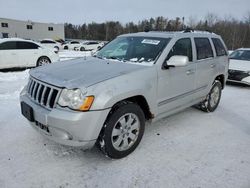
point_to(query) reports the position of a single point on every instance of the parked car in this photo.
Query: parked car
(106, 99)
(89, 46)
(15, 53)
(239, 66)
(71, 45)
(50, 43)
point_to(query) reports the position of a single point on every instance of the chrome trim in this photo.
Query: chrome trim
(37, 92)
(181, 96)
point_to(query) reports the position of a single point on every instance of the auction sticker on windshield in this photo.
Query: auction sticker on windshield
(149, 41)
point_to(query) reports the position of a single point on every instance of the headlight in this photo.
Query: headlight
(75, 100)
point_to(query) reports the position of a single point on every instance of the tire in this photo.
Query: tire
(213, 98)
(122, 131)
(43, 61)
(82, 49)
(66, 48)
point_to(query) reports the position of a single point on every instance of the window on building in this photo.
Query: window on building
(4, 24)
(50, 28)
(182, 47)
(5, 35)
(219, 47)
(203, 48)
(29, 26)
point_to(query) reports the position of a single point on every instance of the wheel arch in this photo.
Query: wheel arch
(140, 101)
(221, 78)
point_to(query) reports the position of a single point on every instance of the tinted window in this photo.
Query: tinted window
(219, 48)
(26, 45)
(93, 43)
(203, 48)
(182, 47)
(8, 45)
(75, 42)
(47, 42)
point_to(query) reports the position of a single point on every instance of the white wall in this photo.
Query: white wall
(39, 31)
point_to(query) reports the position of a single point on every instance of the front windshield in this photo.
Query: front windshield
(134, 49)
(241, 55)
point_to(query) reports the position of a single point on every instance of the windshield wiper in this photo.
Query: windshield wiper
(115, 58)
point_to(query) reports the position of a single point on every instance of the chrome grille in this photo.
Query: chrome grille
(43, 94)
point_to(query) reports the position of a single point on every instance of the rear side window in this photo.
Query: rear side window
(203, 48)
(219, 48)
(47, 42)
(182, 47)
(75, 42)
(8, 45)
(26, 45)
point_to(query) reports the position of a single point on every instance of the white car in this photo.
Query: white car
(72, 45)
(239, 66)
(51, 44)
(17, 53)
(91, 45)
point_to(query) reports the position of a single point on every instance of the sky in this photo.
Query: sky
(87, 11)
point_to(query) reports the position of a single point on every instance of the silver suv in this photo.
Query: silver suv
(106, 99)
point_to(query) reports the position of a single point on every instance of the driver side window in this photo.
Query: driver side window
(182, 47)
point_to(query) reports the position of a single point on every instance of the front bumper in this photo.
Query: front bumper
(66, 127)
(238, 77)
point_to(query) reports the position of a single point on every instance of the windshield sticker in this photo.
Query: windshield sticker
(149, 41)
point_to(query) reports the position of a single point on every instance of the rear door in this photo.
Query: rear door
(28, 53)
(206, 66)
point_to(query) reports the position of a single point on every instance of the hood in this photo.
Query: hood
(82, 72)
(241, 65)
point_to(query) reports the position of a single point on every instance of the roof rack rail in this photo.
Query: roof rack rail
(188, 30)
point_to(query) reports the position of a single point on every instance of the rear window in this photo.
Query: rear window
(219, 48)
(26, 45)
(47, 42)
(203, 48)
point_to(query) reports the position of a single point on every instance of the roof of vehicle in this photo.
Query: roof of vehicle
(166, 34)
(243, 49)
(14, 39)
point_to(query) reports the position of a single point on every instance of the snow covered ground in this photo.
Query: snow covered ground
(190, 149)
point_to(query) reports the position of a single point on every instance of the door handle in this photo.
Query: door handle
(188, 72)
(212, 66)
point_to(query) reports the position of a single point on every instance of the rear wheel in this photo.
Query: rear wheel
(122, 131)
(213, 98)
(43, 61)
(82, 49)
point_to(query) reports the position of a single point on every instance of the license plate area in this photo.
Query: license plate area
(27, 111)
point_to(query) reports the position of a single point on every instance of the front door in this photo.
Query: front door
(177, 84)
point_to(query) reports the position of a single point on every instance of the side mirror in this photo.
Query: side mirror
(177, 61)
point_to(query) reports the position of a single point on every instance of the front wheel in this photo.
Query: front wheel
(213, 98)
(123, 131)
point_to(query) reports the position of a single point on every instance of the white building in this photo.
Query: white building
(30, 30)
